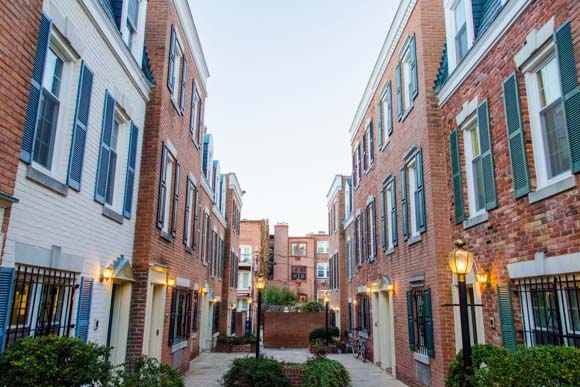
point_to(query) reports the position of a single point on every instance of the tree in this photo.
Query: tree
(279, 295)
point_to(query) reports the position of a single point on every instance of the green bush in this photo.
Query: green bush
(279, 295)
(320, 333)
(541, 366)
(233, 340)
(311, 306)
(264, 373)
(54, 361)
(147, 372)
(323, 372)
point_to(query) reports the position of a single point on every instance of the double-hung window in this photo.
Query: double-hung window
(177, 71)
(168, 192)
(244, 280)
(406, 80)
(460, 24)
(298, 249)
(413, 197)
(322, 270)
(474, 170)
(364, 315)
(298, 273)
(132, 22)
(245, 254)
(389, 215)
(180, 324)
(195, 118)
(412, 172)
(371, 237)
(191, 214)
(407, 77)
(358, 164)
(369, 138)
(460, 30)
(322, 247)
(385, 115)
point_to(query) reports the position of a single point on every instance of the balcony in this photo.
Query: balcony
(245, 261)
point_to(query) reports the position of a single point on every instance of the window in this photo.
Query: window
(474, 170)
(406, 80)
(358, 166)
(195, 311)
(48, 110)
(322, 270)
(322, 247)
(461, 39)
(170, 182)
(413, 197)
(348, 198)
(132, 22)
(412, 171)
(385, 115)
(181, 303)
(298, 273)
(349, 317)
(348, 258)
(234, 270)
(406, 77)
(244, 280)
(207, 162)
(370, 143)
(371, 233)
(364, 315)
(243, 304)
(419, 321)
(41, 303)
(206, 235)
(191, 214)
(549, 131)
(359, 240)
(246, 254)
(215, 326)
(334, 272)
(178, 66)
(195, 117)
(389, 215)
(299, 249)
(460, 30)
(112, 169)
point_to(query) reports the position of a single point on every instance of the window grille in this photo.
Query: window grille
(418, 294)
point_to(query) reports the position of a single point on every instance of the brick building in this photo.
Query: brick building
(508, 92)
(78, 173)
(400, 230)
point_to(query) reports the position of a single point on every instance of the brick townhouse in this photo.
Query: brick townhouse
(70, 239)
(400, 275)
(508, 92)
(337, 198)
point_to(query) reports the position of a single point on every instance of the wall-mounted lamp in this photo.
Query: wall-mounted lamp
(250, 300)
(203, 290)
(484, 279)
(107, 274)
(170, 280)
(214, 300)
(390, 288)
(369, 289)
(354, 302)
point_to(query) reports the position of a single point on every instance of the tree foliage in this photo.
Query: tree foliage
(279, 295)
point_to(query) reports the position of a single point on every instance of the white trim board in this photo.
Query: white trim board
(542, 266)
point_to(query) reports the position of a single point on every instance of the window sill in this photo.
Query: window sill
(414, 239)
(188, 250)
(176, 106)
(471, 222)
(114, 216)
(390, 251)
(204, 264)
(165, 235)
(406, 113)
(552, 189)
(384, 146)
(179, 346)
(47, 181)
(421, 358)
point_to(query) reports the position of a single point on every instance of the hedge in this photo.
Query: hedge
(541, 366)
(247, 339)
(323, 372)
(320, 333)
(263, 373)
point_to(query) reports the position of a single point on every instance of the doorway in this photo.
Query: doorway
(157, 311)
(383, 336)
(118, 322)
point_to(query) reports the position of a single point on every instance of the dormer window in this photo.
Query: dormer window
(460, 30)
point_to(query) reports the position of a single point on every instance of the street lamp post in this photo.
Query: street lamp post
(249, 320)
(326, 301)
(260, 285)
(461, 262)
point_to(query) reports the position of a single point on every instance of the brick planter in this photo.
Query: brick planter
(327, 349)
(231, 348)
(295, 375)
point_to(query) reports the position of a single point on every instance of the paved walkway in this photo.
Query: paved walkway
(207, 369)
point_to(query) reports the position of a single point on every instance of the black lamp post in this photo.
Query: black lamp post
(249, 319)
(260, 285)
(461, 262)
(326, 301)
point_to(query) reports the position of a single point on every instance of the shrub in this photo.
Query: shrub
(54, 361)
(320, 333)
(324, 372)
(311, 306)
(534, 367)
(279, 295)
(233, 340)
(147, 372)
(264, 373)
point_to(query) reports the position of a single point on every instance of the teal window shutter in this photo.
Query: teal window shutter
(131, 165)
(171, 67)
(80, 127)
(371, 142)
(404, 203)
(399, 92)
(380, 129)
(414, 75)
(31, 121)
(429, 338)
(6, 279)
(183, 86)
(389, 108)
(411, 320)
(517, 147)
(420, 210)
(393, 209)
(456, 177)
(506, 316)
(383, 221)
(486, 156)
(175, 199)
(570, 90)
(105, 149)
(162, 187)
(84, 309)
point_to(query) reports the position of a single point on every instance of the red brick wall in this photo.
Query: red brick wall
(427, 258)
(19, 23)
(295, 376)
(516, 230)
(290, 330)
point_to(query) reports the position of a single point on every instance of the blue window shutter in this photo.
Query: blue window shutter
(131, 165)
(371, 141)
(162, 187)
(6, 279)
(183, 85)
(404, 203)
(429, 337)
(414, 74)
(456, 176)
(84, 309)
(420, 193)
(105, 148)
(389, 108)
(393, 209)
(117, 8)
(486, 156)
(171, 65)
(32, 111)
(80, 127)
(411, 320)
(383, 221)
(399, 92)
(570, 91)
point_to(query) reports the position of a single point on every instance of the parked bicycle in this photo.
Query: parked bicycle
(358, 343)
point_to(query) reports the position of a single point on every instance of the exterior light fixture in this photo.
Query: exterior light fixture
(260, 282)
(250, 301)
(326, 298)
(170, 281)
(484, 279)
(390, 288)
(460, 260)
(107, 273)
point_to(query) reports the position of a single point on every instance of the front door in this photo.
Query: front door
(118, 322)
(156, 319)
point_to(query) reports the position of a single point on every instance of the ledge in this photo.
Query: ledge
(6, 200)
(114, 216)
(421, 358)
(415, 239)
(406, 113)
(165, 235)
(179, 346)
(47, 181)
(188, 250)
(390, 251)
(471, 222)
(552, 189)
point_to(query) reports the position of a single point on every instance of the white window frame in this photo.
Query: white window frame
(370, 150)
(411, 169)
(325, 270)
(191, 204)
(324, 249)
(139, 35)
(406, 79)
(468, 127)
(371, 231)
(358, 163)
(248, 254)
(347, 204)
(170, 163)
(122, 150)
(385, 138)
(530, 69)
(389, 209)
(177, 70)
(450, 6)
(299, 244)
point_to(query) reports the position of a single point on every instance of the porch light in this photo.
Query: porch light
(390, 288)
(250, 301)
(170, 281)
(460, 259)
(203, 290)
(369, 289)
(260, 282)
(326, 297)
(484, 279)
(214, 300)
(107, 273)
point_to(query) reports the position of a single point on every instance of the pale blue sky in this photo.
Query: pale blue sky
(286, 79)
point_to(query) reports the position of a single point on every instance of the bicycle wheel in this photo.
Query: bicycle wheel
(364, 354)
(356, 350)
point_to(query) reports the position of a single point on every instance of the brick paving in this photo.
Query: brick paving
(207, 369)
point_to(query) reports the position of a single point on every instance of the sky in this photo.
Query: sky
(286, 78)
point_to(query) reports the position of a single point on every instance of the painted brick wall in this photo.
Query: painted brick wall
(278, 333)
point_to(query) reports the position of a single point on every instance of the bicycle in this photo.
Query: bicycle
(358, 342)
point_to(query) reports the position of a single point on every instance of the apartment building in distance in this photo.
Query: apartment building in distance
(70, 239)
(508, 93)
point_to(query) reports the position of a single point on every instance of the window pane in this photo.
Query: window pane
(555, 135)
(459, 15)
(478, 182)
(46, 130)
(111, 178)
(53, 73)
(549, 83)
